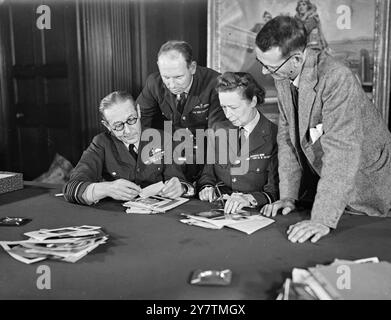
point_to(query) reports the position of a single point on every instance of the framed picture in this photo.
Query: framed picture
(355, 31)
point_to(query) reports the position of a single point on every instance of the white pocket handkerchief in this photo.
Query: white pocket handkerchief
(316, 133)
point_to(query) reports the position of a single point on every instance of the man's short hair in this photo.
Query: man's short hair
(114, 98)
(181, 47)
(231, 81)
(284, 32)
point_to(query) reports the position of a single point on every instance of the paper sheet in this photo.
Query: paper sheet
(251, 224)
(152, 190)
(247, 225)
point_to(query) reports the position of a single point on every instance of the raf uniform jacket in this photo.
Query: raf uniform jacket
(202, 106)
(108, 159)
(260, 175)
(201, 110)
(343, 138)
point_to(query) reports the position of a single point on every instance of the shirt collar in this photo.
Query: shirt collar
(296, 81)
(136, 145)
(249, 127)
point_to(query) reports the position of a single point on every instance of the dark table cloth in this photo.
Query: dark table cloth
(152, 256)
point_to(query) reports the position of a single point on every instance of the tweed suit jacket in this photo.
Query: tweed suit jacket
(352, 156)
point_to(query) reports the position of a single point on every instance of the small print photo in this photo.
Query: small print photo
(212, 214)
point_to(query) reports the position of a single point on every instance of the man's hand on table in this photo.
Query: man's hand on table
(120, 189)
(270, 210)
(207, 194)
(235, 202)
(307, 229)
(301, 231)
(172, 188)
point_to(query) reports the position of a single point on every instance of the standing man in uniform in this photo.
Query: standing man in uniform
(328, 128)
(182, 93)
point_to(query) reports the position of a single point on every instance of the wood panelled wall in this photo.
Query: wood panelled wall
(102, 45)
(175, 19)
(4, 98)
(120, 40)
(39, 91)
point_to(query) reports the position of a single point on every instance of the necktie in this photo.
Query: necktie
(295, 96)
(132, 152)
(181, 101)
(241, 137)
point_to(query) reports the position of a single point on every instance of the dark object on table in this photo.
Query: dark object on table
(10, 181)
(13, 221)
(211, 277)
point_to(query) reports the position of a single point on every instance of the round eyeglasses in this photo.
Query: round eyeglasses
(119, 126)
(274, 70)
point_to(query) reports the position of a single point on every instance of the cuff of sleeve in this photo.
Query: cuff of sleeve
(253, 202)
(205, 186)
(261, 198)
(73, 191)
(189, 189)
(330, 222)
(289, 195)
(269, 197)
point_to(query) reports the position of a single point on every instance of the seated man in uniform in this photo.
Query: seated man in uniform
(118, 163)
(182, 94)
(254, 136)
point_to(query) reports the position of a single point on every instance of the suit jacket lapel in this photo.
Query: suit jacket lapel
(283, 87)
(307, 93)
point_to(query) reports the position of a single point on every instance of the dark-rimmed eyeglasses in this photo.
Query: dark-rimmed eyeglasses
(274, 70)
(119, 126)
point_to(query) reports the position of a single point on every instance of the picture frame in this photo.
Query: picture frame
(365, 47)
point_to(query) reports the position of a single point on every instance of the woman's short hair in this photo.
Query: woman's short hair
(232, 81)
(114, 98)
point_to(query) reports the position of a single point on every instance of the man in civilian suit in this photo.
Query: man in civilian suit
(182, 93)
(119, 162)
(328, 128)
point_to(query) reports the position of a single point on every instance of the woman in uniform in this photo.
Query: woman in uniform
(245, 167)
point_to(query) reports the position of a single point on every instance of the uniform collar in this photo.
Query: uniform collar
(136, 145)
(187, 90)
(249, 127)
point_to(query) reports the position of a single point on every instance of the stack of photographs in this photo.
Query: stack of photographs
(217, 219)
(364, 279)
(68, 244)
(153, 204)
